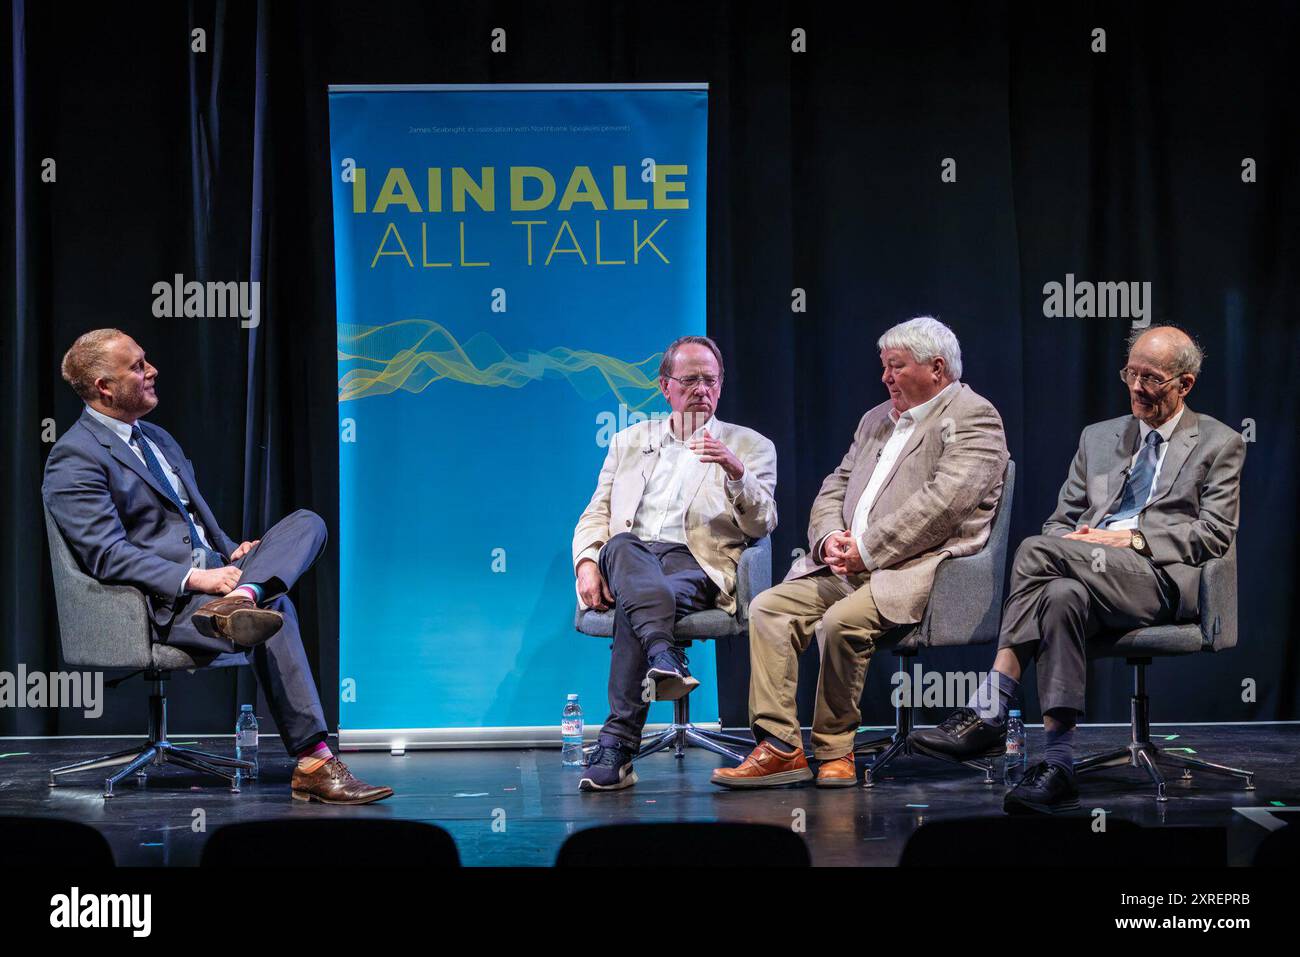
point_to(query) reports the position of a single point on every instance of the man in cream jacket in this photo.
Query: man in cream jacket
(676, 503)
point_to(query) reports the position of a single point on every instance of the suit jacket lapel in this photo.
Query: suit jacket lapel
(914, 442)
(860, 476)
(1181, 444)
(1126, 441)
(122, 452)
(721, 432)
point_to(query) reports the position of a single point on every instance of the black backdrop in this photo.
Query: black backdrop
(824, 174)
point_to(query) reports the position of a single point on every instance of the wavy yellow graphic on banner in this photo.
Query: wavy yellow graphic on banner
(412, 353)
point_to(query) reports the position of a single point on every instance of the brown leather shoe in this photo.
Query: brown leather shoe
(333, 783)
(766, 767)
(838, 773)
(235, 618)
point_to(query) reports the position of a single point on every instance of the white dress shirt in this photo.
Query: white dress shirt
(661, 513)
(1162, 449)
(905, 424)
(123, 431)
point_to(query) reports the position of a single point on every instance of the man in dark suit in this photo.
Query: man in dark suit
(1150, 498)
(126, 499)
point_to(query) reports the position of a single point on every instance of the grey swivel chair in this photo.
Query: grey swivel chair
(1215, 631)
(107, 627)
(753, 575)
(965, 608)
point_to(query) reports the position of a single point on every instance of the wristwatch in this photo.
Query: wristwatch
(1139, 544)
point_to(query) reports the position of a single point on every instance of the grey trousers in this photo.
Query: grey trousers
(288, 549)
(1065, 591)
(654, 584)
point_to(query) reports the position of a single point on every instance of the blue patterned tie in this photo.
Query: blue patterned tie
(211, 559)
(1138, 487)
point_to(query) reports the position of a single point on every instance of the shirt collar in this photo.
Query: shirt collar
(669, 437)
(1165, 430)
(122, 429)
(919, 412)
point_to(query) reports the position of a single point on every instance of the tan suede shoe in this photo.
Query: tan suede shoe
(237, 619)
(838, 773)
(766, 767)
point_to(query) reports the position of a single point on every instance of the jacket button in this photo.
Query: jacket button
(186, 539)
(629, 523)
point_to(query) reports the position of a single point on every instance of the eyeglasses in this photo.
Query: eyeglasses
(1149, 382)
(691, 381)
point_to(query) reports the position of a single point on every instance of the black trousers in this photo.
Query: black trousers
(1063, 592)
(288, 549)
(654, 584)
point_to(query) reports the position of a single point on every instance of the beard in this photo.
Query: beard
(136, 400)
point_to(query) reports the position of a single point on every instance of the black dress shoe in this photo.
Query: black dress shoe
(963, 736)
(1045, 789)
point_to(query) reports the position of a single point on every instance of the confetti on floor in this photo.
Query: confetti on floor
(476, 794)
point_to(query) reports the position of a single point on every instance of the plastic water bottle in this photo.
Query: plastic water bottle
(1013, 766)
(246, 738)
(571, 732)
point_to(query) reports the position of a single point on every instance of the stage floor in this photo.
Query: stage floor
(537, 801)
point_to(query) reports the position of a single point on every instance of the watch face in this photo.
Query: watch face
(1139, 542)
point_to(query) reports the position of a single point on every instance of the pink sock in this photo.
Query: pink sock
(319, 751)
(248, 591)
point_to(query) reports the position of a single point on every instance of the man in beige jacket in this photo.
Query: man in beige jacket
(919, 484)
(676, 503)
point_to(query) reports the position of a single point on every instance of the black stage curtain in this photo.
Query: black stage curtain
(824, 176)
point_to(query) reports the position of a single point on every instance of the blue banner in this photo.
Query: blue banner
(510, 263)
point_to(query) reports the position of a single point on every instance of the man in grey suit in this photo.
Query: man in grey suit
(1150, 498)
(919, 484)
(125, 497)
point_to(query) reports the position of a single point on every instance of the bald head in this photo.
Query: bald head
(1168, 347)
(1163, 363)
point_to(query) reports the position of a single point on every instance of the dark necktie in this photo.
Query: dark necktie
(1138, 487)
(210, 559)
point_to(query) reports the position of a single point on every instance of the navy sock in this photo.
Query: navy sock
(1059, 749)
(996, 692)
(774, 741)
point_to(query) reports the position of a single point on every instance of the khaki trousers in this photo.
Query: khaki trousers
(782, 622)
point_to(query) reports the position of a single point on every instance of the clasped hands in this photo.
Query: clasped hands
(841, 555)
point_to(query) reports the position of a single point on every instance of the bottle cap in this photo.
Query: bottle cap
(245, 707)
(573, 697)
(1015, 712)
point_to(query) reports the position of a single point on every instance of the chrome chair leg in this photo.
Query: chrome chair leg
(1188, 763)
(231, 776)
(657, 743)
(1142, 757)
(1107, 759)
(899, 746)
(144, 757)
(94, 764)
(706, 741)
(217, 759)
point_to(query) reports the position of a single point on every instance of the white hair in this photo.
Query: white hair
(925, 337)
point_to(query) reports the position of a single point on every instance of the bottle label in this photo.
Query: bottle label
(1013, 746)
(246, 739)
(571, 728)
